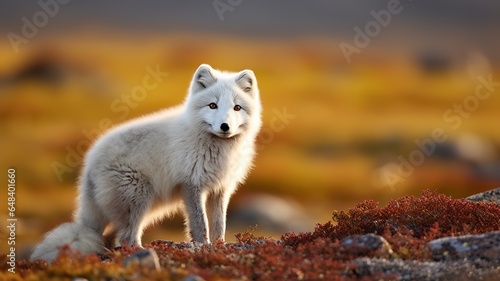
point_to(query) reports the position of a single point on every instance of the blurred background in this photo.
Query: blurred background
(370, 100)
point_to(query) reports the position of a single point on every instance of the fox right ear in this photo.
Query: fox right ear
(203, 78)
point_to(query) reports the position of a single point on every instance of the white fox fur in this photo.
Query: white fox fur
(191, 156)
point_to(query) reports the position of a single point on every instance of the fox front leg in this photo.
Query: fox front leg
(196, 215)
(217, 204)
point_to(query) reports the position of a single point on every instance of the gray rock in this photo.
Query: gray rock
(490, 196)
(193, 277)
(423, 271)
(471, 247)
(145, 258)
(190, 246)
(367, 244)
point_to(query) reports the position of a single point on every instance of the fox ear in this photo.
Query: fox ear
(246, 80)
(203, 78)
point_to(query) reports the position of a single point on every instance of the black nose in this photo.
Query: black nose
(224, 127)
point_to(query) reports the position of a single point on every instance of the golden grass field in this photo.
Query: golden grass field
(325, 157)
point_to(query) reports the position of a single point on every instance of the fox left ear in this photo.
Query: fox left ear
(246, 80)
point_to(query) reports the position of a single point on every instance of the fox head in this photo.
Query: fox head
(224, 104)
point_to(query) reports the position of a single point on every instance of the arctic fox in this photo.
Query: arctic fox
(192, 156)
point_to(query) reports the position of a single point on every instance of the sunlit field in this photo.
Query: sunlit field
(330, 128)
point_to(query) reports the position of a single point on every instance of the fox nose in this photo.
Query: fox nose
(224, 127)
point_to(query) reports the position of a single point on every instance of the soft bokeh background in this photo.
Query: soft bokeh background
(334, 131)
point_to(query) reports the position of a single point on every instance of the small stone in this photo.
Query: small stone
(484, 246)
(145, 258)
(193, 277)
(162, 242)
(367, 244)
(79, 279)
(190, 246)
(490, 196)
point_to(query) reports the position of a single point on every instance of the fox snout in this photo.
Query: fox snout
(224, 127)
(225, 130)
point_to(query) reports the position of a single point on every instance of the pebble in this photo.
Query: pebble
(367, 244)
(193, 277)
(145, 258)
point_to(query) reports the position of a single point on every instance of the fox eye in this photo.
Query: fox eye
(212, 105)
(237, 107)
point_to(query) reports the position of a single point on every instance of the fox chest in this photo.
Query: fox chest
(211, 166)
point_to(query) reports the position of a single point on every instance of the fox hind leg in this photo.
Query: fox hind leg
(132, 197)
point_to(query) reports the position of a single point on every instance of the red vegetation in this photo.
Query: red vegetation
(406, 223)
